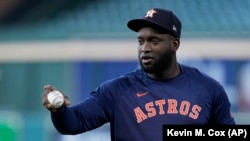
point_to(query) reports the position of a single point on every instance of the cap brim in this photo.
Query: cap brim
(137, 24)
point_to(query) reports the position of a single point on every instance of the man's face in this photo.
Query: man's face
(155, 51)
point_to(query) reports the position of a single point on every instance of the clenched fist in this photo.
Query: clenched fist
(45, 102)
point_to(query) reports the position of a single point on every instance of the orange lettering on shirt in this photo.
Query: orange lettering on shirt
(172, 105)
(184, 107)
(160, 103)
(150, 108)
(140, 116)
(195, 112)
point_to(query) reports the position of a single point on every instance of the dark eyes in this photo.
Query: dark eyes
(140, 42)
(153, 41)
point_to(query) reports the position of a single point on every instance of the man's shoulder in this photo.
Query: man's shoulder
(193, 71)
(198, 75)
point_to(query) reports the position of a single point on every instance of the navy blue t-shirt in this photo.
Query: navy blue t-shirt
(137, 106)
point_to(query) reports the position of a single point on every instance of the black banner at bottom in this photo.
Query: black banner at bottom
(225, 132)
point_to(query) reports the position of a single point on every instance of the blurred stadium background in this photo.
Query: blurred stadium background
(77, 44)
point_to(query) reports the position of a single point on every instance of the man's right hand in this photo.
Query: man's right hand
(46, 104)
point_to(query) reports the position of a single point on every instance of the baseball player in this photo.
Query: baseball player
(161, 92)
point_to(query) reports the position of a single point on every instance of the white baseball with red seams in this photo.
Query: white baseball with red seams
(56, 98)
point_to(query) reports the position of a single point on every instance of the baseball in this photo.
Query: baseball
(56, 99)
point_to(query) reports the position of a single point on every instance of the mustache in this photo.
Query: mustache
(145, 56)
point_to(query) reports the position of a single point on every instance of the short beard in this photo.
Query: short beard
(160, 65)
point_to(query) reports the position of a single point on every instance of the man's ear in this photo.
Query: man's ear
(175, 44)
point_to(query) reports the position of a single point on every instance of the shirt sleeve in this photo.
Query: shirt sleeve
(91, 113)
(221, 109)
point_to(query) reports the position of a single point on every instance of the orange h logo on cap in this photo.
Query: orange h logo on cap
(150, 13)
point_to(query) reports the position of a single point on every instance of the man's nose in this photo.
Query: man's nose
(146, 47)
